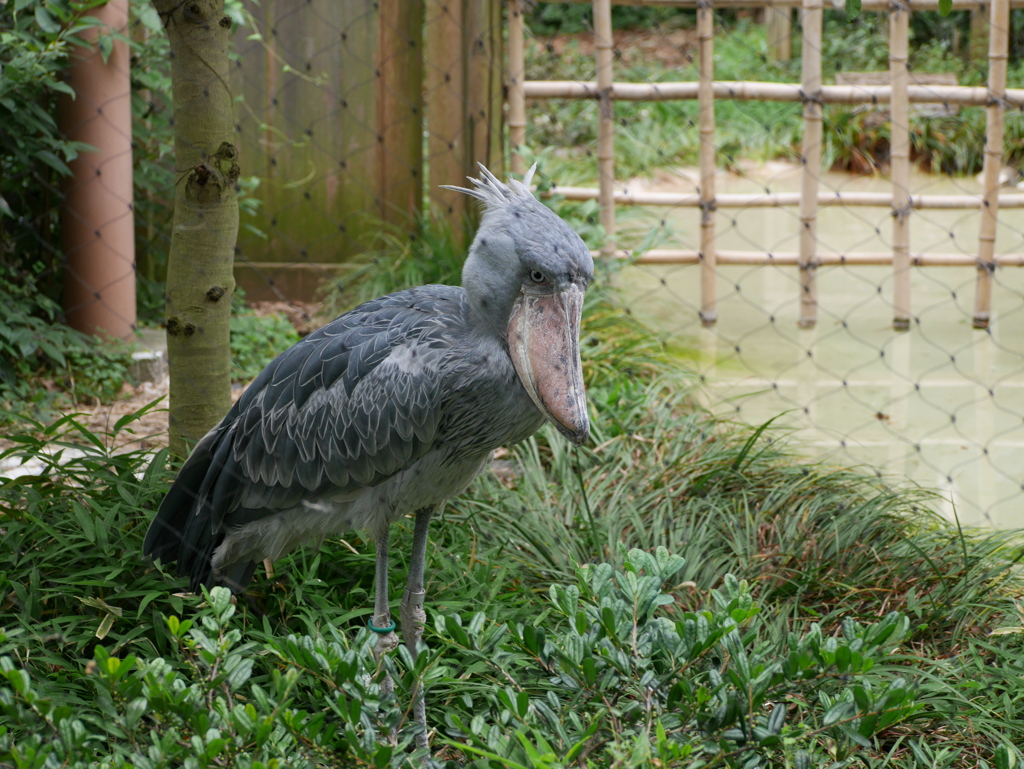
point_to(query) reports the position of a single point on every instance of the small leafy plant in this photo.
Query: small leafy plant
(621, 683)
(617, 683)
(201, 708)
(257, 340)
(35, 346)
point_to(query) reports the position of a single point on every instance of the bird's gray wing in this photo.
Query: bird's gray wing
(348, 407)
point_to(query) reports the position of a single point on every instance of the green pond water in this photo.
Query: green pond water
(941, 405)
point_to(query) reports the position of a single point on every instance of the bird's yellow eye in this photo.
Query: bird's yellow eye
(536, 276)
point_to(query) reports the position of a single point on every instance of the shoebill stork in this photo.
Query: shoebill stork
(391, 409)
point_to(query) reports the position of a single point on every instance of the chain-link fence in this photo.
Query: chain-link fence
(791, 216)
(827, 237)
(779, 267)
(815, 221)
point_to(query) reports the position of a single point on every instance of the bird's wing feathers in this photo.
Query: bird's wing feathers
(350, 405)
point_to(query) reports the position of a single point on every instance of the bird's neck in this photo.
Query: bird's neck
(485, 321)
(489, 292)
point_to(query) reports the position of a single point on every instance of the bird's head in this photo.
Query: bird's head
(525, 277)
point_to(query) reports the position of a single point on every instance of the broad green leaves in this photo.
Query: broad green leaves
(612, 673)
(692, 688)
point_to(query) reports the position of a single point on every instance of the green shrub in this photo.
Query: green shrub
(256, 340)
(569, 18)
(35, 345)
(615, 683)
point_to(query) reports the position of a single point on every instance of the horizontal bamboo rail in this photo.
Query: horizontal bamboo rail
(669, 256)
(781, 199)
(957, 95)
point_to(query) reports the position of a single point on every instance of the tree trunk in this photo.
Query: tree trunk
(199, 268)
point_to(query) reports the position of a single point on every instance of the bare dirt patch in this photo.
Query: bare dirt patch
(305, 316)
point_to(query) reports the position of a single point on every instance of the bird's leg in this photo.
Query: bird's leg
(387, 640)
(412, 612)
(413, 616)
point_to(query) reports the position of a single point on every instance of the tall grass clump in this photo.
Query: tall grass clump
(684, 592)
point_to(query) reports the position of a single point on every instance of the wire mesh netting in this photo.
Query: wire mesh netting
(350, 115)
(940, 403)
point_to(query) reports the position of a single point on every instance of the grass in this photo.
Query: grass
(815, 552)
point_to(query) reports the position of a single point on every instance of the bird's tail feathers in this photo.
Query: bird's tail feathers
(183, 530)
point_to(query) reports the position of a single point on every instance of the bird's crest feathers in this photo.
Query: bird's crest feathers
(494, 193)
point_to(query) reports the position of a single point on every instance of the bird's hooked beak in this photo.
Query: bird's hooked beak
(544, 339)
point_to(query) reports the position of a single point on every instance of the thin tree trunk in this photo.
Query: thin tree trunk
(199, 269)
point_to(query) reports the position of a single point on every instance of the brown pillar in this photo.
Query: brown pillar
(97, 218)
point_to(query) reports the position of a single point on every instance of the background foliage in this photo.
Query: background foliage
(36, 39)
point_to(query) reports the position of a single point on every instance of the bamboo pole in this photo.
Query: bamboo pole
(778, 28)
(952, 95)
(1007, 199)
(899, 43)
(811, 157)
(603, 49)
(995, 115)
(706, 191)
(516, 91)
(792, 258)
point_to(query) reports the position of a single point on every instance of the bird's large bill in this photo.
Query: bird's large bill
(544, 339)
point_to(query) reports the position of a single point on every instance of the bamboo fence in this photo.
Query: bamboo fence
(813, 94)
